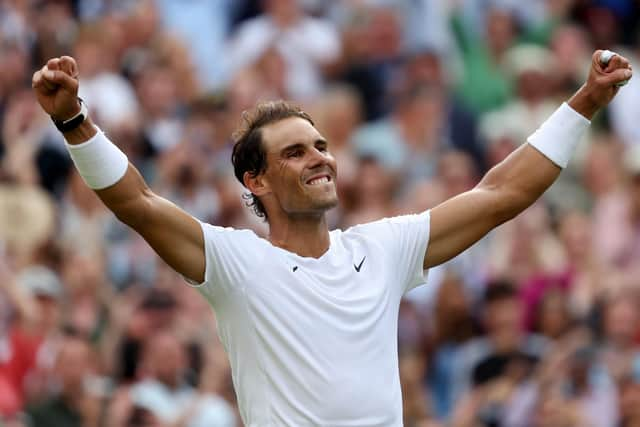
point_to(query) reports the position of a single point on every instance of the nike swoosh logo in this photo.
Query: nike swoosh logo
(359, 266)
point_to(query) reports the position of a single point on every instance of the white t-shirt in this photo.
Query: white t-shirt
(313, 342)
(305, 47)
(170, 404)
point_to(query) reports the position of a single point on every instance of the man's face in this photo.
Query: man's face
(503, 322)
(301, 173)
(73, 364)
(621, 322)
(166, 359)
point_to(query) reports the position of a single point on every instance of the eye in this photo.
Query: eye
(294, 153)
(322, 147)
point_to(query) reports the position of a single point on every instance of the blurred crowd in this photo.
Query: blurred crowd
(537, 325)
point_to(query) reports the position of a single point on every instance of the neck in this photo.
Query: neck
(307, 236)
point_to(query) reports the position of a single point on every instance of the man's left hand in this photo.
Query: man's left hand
(602, 85)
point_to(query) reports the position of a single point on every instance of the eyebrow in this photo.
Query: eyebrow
(298, 145)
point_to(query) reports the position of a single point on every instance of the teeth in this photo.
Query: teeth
(321, 180)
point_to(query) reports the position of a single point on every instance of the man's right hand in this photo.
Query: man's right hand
(56, 87)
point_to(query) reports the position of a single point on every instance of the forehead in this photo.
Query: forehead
(292, 130)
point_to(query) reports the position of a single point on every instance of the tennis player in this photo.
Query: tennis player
(309, 316)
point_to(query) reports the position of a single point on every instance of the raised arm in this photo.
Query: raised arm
(515, 183)
(175, 235)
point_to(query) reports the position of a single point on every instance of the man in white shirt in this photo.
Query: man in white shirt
(308, 316)
(306, 44)
(163, 391)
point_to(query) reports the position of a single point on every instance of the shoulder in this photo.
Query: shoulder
(392, 231)
(231, 242)
(215, 231)
(390, 223)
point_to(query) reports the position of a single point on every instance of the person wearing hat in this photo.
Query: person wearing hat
(29, 343)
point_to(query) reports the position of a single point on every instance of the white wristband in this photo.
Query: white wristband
(100, 163)
(559, 135)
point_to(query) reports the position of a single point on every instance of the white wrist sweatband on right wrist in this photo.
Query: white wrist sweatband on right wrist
(559, 135)
(99, 162)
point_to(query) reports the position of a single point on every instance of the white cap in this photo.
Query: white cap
(40, 281)
(528, 57)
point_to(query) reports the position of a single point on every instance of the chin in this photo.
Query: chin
(323, 205)
(328, 202)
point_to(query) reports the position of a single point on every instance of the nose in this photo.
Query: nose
(319, 158)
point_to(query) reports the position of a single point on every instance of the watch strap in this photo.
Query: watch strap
(75, 121)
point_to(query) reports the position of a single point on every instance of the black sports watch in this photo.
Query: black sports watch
(75, 121)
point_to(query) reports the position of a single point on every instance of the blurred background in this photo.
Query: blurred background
(536, 325)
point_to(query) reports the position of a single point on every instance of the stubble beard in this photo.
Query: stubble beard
(319, 205)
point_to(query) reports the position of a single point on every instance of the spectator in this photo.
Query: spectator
(284, 26)
(483, 85)
(374, 194)
(204, 26)
(73, 405)
(164, 392)
(416, 98)
(453, 327)
(371, 38)
(552, 317)
(505, 338)
(112, 95)
(620, 324)
(411, 138)
(36, 338)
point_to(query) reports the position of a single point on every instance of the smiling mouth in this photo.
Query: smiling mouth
(319, 180)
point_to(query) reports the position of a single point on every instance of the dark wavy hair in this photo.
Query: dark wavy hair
(248, 151)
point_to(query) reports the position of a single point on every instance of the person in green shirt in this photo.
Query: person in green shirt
(483, 85)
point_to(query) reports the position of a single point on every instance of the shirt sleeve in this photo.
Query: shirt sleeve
(227, 253)
(405, 239)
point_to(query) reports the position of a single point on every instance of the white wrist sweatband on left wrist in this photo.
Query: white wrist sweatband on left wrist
(559, 135)
(99, 162)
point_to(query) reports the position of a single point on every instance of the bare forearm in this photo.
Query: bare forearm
(127, 198)
(583, 103)
(530, 170)
(516, 183)
(520, 180)
(175, 235)
(124, 197)
(505, 191)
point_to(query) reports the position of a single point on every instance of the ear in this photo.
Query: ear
(257, 185)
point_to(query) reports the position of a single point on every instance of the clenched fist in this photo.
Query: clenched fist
(56, 87)
(604, 81)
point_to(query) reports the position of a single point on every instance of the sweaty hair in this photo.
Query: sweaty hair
(249, 154)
